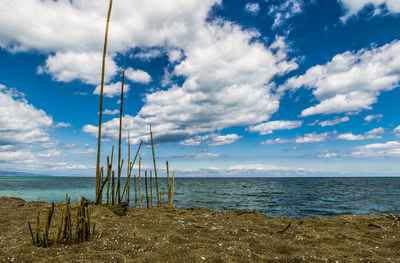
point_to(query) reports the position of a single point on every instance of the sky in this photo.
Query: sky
(230, 88)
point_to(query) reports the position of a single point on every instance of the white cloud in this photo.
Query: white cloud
(85, 66)
(312, 137)
(252, 8)
(397, 131)
(351, 82)
(354, 6)
(112, 90)
(63, 125)
(137, 75)
(274, 141)
(328, 155)
(219, 140)
(372, 134)
(194, 141)
(148, 54)
(81, 31)
(21, 122)
(333, 122)
(110, 112)
(271, 126)
(284, 10)
(205, 155)
(388, 149)
(226, 73)
(369, 118)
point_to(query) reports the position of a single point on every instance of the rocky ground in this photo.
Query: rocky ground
(201, 235)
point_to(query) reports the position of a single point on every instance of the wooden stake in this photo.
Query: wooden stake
(169, 187)
(155, 168)
(140, 193)
(147, 195)
(172, 190)
(151, 190)
(119, 141)
(101, 100)
(134, 179)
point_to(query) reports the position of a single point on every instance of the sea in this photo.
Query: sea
(292, 197)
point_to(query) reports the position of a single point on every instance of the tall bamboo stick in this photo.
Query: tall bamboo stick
(134, 179)
(140, 193)
(113, 189)
(155, 168)
(151, 190)
(169, 187)
(119, 140)
(101, 100)
(172, 191)
(147, 193)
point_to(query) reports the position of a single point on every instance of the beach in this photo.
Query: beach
(201, 235)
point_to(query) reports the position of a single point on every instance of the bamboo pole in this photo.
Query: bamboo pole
(116, 193)
(134, 179)
(109, 171)
(130, 167)
(155, 169)
(169, 187)
(108, 181)
(172, 190)
(140, 193)
(113, 189)
(147, 193)
(151, 190)
(101, 100)
(30, 230)
(119, 140)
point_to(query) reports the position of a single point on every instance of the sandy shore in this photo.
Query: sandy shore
(201, 235)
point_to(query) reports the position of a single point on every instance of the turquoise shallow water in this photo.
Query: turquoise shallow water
(295, 197)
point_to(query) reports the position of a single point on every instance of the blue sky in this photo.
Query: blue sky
(231, 88)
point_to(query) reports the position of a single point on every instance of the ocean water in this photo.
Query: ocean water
(294, 197)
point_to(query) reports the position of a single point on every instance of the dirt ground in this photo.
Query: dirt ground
(201, 235)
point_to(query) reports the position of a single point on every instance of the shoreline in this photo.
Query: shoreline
(202, 235)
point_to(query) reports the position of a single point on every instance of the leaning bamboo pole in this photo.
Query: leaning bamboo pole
(155, 168)
(119, 141)
(101, 100)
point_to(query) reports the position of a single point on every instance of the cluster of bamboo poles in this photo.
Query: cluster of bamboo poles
(115, 195)
(64, 233)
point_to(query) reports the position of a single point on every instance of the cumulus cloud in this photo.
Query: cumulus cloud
(397, 131)
(110, 112)
(21, 122)
(112, 90)
(226, 72)
(369, 118)
(271, 126)
(388, 149)
(372, 134)
(80, 33)
(334, 121)
(351, 81)
(219, 140)
(252, 8)
(352, 7)
(312, 137)
(328, 155)
(284, 10)
(275, 141)
(63, 124)
(84, 66)
(137, 75)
